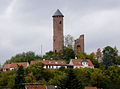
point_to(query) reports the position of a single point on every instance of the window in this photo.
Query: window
(56, 62)
(55, 51)
(60, 22)
(78, 46)
(56, 67)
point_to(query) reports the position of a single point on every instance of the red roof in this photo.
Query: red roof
(35, 87)
(6, 66)
(90, 87)
(50, 62)
(14, 65)
(78, 62)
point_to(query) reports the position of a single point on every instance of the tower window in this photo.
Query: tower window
(55, 51)
(60, 22)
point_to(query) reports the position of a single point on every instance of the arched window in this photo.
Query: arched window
(60, 22)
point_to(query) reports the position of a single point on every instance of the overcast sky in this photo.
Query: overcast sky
(25, 25)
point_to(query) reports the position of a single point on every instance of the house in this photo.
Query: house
(14, 65)
(90, 88)
(51, 64)
(35, 86)
(6, 67)
(78, 63)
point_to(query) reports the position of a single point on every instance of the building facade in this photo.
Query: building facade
(15, 65)
(79, 45)
(51, 64)
(81, 63)
(58, 38)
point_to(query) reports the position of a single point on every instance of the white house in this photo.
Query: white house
(14, 65)
(51, 64)
(84, 63)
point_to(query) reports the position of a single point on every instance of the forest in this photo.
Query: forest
(106, 74)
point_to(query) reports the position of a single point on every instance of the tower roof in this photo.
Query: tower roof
(58, 13)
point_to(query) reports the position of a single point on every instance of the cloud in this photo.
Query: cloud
(9, 9)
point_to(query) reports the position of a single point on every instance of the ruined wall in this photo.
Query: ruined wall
(79, 45)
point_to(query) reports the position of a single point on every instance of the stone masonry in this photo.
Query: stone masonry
(58, 38)
(79, 45)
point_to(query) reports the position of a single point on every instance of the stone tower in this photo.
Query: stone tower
(79, 45)
(58, 38)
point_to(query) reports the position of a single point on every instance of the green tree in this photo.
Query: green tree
(118, 60)
(109, 56)
(67, 53)
(19, 79)
(93, 59)
(97, 78)
(0, 67)
(69, 81)
(23, 57)
(30, 78)
(82, 55)
(72, 80)
(36, 70)
(7, 79)
(52, 55)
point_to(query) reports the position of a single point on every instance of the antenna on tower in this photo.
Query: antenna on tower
(41, 50)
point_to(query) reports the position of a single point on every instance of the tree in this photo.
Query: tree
(23, 57)
(93, 59)
(0, 67)
(118, 60)
(7, 78)
(69, 41)
(30, 78)
(109, 56)
(19, 79)
(82, 55)
(69, 81)
(36, 69)
(52, 55)
(67, 53)
(97, 78)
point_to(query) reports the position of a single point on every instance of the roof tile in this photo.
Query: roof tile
(79, 62)
(50, 62)
(90, 87)
(35, 87)
(58, 13)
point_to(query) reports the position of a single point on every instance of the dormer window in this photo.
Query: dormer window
(85, 63)
(56, 62)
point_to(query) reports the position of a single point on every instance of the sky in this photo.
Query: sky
(25, 25)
